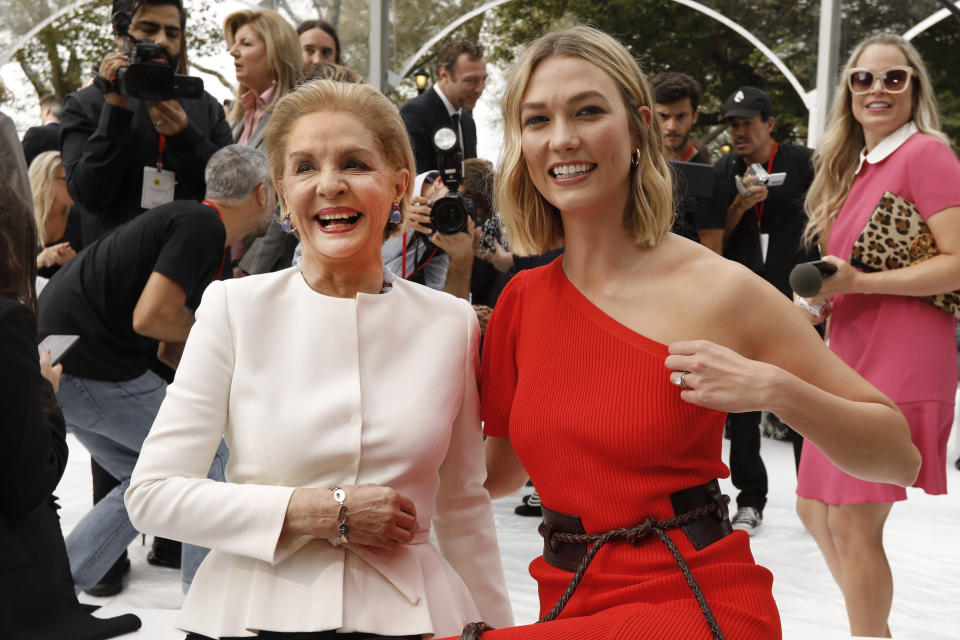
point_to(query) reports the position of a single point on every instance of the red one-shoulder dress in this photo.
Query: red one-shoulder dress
(590, 411)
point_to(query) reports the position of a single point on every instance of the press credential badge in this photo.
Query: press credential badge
(158, 187)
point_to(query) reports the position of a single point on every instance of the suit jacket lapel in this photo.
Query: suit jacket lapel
(256, 138)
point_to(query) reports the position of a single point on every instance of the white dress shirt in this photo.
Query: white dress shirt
(315, 391)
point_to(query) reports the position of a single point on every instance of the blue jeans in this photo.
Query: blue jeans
(112, 419)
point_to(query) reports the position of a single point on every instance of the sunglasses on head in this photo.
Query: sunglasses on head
(894, 80)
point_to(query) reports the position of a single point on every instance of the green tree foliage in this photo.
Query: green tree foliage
(58, 57)
(666, 36)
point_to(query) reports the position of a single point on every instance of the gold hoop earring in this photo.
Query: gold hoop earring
(635, 158)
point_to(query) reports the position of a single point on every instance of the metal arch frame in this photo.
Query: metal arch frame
(691, 4)
(808, 97)
(18, 44)
(928, 22)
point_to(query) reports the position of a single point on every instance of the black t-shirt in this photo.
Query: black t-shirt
(782, 217)
(702, 213)
(94, 294)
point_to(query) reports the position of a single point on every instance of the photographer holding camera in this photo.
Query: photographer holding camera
(765, 221)
(440, 224)
(124, 154)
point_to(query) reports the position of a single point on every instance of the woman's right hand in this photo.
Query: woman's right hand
(51, 373)
(377, 516)
(807, 307)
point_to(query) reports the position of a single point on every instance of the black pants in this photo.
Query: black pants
(747, 471)
(310, 635)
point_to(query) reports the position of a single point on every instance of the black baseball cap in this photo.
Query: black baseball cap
(747, 102)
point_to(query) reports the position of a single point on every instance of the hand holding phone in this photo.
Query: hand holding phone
(58, 344)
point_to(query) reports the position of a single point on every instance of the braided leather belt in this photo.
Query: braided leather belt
(700, 512)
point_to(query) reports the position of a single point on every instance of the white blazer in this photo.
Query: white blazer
(314, 391)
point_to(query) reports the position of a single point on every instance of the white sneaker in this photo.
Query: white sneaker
(748, 519)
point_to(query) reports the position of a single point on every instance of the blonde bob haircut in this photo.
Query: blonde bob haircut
(838, 152)
(42, 173)
(534, 224)
(283, 52)
(378, 115)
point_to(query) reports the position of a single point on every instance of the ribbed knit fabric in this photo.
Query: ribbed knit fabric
(589, 408)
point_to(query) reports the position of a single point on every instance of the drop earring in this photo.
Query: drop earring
(286, 225)
(395, 215)
(635, 158)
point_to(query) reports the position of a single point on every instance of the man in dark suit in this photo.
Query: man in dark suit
(462, 74)
(46, 137)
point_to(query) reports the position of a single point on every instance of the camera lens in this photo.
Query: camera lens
(448, 215)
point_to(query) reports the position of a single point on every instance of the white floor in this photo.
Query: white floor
(922, 540)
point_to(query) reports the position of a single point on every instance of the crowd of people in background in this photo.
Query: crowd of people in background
(280, 341)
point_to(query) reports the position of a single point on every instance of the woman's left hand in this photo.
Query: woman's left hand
(717, 377)
(845, 280)
(57, 254)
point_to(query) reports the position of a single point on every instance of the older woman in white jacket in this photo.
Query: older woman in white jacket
(348, 399)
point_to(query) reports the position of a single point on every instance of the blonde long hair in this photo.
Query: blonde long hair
(42, 173)
(838, 153)
(375, 111)
(283, 52)
(533, 224)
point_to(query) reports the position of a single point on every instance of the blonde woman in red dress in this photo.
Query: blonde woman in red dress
(606, 374)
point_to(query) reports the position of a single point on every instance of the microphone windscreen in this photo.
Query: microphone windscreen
(806, 280)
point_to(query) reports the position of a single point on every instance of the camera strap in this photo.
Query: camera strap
(759, 207)
(418, 265)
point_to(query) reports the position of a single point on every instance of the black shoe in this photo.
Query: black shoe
(530, 506)
(527, 510)
(165, 553)
(112, 582)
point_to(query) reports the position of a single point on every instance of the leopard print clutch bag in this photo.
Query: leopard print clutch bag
(896, 236)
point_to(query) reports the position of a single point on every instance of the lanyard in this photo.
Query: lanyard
(223, 259)
(161, 145)
(689, 153)
(403, 260)
(758, 208)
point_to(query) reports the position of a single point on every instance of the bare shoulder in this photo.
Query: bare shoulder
(723, 301)
(718, 283)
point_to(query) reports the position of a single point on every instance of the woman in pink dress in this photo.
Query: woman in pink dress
(883, 137)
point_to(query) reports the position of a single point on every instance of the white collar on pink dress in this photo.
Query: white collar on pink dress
(888, 145)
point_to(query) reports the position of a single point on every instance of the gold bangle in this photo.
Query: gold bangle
(342, 527)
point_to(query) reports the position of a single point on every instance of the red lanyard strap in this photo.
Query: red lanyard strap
(161, 145)
(759, 207)
(223, 260)
(689, 153)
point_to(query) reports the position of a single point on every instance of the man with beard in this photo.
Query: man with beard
(676, 99)
(112, 144)
(763, 231)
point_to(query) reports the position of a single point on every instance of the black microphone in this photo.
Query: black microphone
(807, 277)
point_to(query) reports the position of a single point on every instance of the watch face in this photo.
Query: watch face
(339, 495)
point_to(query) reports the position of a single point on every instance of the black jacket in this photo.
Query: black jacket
(38, 598)
(105, 149)
(423, 116)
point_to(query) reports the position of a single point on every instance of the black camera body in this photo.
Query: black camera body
(143, 78)
(448, 214)
(148, 80)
